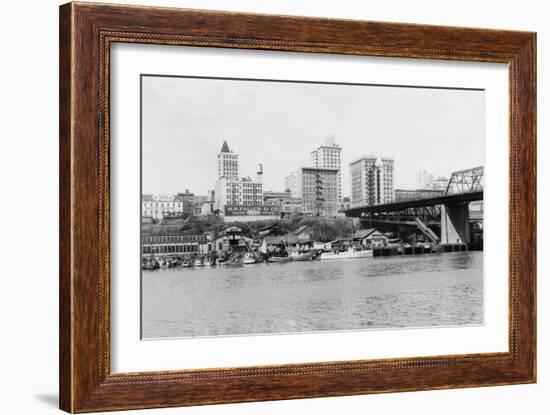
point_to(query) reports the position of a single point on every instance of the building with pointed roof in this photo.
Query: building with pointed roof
(232, 190)
(228, 163)
(225, 147)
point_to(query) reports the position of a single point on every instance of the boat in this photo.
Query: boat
(279, 259)
(233, 260)
(304, 256)
(150, 264)
(210, 261)
(186, 264)
(164, 263)
(198, 262)
(351, 253)
(248, 258)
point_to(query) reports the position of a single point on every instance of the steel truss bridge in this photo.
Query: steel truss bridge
(464, 186)
(429, 208)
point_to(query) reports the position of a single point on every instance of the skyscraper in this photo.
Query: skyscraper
(317, 187)
(228, 163)
(371, 181)
(232, 190)
(327, 156)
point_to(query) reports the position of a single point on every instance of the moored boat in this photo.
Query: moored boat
(279, 259)
(351, 253)
(304, 256)
(164, 263)
(210, 261)
(248, 258)
(150, 264)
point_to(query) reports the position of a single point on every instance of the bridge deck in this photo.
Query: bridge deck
(432, 201)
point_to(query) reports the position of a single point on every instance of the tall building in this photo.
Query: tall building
(317, 188)
(328, 156)
(291, 183)
(371, 181)
(228, 163)
(232, 190)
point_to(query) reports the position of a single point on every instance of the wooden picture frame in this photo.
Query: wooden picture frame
(86, 33)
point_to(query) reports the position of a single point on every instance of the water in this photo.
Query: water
(411, 291)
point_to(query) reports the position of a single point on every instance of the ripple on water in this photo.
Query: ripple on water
(412, 291)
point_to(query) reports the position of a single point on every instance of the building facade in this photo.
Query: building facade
(292, 206)
(186, 196)
(371, 181)
(271, 197)
(157, 207)
(291, 183)
(243, 192)
(318, 190)
(232, 190)
(207, 208)
(228, 163)
(328, 156)
(287, 204)
(166, 245)
(437, 184)
(343, 205)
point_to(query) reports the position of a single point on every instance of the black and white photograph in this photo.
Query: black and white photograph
(272, 206)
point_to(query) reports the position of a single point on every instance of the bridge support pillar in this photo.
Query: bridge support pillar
(455, 224)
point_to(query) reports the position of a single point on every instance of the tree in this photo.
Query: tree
(187, 209)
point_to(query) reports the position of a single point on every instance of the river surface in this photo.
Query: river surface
(401, 291)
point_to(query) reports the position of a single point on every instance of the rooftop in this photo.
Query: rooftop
(371, 157)
(319, 168)
(363, 233)
(225, 148)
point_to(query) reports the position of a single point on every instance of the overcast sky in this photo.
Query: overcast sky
(278, 124)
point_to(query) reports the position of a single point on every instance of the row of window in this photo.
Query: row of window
(173, 249)
(170, 205)
(173, 238)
